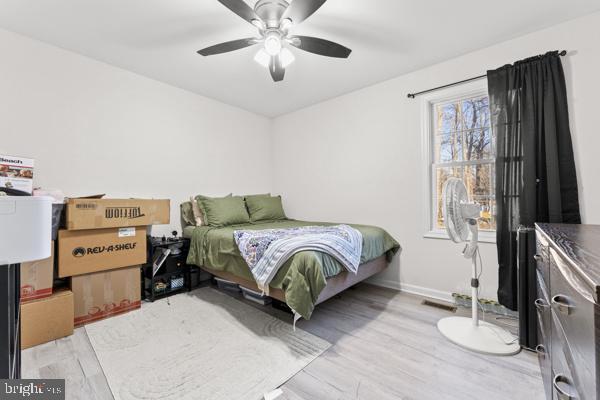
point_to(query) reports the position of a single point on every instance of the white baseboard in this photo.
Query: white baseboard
(414, 289)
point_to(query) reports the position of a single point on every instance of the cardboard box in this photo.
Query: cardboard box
(104, 294)
(37, 278)
(84, 252)
(47, 319)
(114, 213)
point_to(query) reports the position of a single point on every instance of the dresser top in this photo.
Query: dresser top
(579, 244)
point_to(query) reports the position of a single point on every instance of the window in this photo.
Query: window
(460, 143)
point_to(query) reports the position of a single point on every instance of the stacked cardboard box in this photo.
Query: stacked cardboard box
(97, 250)
(46, 319)
(104, 294)
(101, 252)
(37, 278)
(45, 316)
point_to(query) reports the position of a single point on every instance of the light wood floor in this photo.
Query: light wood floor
(385, 346)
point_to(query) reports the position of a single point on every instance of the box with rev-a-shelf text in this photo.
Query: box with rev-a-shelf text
(85, 213)
(105, 294)
(94, 250)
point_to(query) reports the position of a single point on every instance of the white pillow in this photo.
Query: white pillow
(196, 211)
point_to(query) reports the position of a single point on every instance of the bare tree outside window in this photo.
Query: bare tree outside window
(463, 147)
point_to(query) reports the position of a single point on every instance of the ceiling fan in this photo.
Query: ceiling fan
(273, 19)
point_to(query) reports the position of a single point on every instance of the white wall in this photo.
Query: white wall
(357, 158)
(94, 128)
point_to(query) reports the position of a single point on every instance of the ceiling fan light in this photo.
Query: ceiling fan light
(263, 58)
(285, 24)
(273, 44)
(287, 57)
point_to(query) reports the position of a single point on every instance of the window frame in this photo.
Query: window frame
(428, 102)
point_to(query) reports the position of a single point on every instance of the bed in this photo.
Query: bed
(306, 279)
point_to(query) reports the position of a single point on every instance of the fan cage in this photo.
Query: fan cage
(455, 194)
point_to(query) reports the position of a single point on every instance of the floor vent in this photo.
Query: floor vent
(442, 306)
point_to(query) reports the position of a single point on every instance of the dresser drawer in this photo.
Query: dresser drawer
(541, 258)
(573, 310)
(544, 315)
(564, 383)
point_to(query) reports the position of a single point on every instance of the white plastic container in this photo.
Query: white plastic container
(25, 228)
(229, 286)
(256, 297)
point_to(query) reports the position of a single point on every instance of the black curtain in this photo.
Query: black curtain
(535, 171)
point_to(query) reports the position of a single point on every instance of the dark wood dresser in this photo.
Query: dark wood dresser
(568, 285)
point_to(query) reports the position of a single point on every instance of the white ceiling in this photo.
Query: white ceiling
(159, 39)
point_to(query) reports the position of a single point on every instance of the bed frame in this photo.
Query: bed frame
(335, 284)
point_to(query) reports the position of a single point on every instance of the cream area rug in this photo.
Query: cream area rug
(203, 345)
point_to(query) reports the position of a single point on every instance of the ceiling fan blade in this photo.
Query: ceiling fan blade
(321, 47)
(227, 47)
(241, 8)
(299, 10)
(277, 71)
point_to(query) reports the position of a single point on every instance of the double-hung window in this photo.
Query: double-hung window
(459, 142)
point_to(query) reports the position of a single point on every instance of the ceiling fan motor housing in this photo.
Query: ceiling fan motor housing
(271, 11)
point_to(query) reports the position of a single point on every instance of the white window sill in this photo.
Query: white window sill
(484, 237)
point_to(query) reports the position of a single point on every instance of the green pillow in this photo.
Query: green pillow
(199, 200)
(257, 195)
(263, 208)
(253, 196)
(225, 211)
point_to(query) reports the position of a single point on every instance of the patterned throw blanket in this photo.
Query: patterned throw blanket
(267, 250)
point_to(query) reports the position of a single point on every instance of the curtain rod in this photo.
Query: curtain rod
(413, 95)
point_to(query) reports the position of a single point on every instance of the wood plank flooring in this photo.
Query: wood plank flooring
(385, 346)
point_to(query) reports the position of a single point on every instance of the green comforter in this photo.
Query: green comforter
(302, 277)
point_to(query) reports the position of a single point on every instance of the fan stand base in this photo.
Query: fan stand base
(485, 338)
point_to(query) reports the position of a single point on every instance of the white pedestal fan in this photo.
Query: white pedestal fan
(460, 218)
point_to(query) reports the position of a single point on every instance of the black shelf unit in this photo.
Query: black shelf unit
(174, 268)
